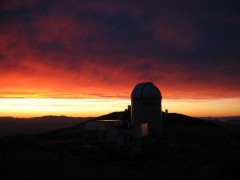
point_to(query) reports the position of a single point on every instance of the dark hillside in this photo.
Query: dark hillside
(178, 123)
(174, 123)
(187, 148)
(231, 125)
(80, 126)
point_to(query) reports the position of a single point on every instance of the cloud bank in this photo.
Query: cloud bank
(189, 49)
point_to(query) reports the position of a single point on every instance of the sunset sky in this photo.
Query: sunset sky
(83, 58)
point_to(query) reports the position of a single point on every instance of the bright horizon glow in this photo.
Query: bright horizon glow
(92, 107)
(32, 107)
(203, 107)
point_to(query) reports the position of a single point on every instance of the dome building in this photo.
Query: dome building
(146, 107)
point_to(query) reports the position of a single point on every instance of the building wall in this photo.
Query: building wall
(147, 111)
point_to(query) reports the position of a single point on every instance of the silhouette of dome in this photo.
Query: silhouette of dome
(146, 90)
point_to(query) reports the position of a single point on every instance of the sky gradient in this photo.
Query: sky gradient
(56, 55)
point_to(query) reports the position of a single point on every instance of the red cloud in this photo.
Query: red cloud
(105, 49)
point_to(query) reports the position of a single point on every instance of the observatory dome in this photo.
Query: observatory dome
(146, 90)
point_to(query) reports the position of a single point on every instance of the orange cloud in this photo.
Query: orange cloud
(85, 49)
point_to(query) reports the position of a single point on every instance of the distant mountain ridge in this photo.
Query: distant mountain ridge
(14, 126)
(223, 118)
(59, 124)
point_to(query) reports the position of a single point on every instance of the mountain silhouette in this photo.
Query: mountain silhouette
(187, 148)
(15, 126)
(175, 123)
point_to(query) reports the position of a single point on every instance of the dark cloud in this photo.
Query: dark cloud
(52, 46)
(101, 45)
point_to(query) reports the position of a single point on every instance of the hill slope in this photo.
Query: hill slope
(188, 148)
(174, 123)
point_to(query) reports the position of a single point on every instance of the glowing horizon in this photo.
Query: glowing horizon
(92, 107)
